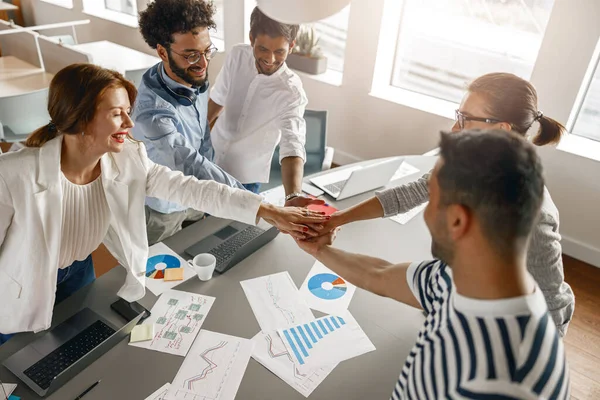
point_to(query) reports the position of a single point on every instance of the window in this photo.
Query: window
(219, 20)
(442, 45)
(62, 3)
(122, 6)
(120, 11)
(332, 33)
(587, 116)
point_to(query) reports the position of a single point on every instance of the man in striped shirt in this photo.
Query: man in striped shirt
(487, 334)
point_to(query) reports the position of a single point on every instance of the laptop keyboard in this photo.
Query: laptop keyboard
(336, 187)
(225, 251)
(44, 371)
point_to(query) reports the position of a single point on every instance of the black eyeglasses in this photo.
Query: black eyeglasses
(194, 57)
(462, 118)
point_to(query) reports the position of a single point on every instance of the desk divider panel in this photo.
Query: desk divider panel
(57, 56)
(22, 45)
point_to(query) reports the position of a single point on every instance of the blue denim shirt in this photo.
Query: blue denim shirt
(176, 136)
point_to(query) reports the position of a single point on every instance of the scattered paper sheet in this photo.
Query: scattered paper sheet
(270, 351)
(407, 216)
(275, 301)
(405, 169)
(8, 388)
(160, 393)
(275, 196)
(177, 317)
(161, 258)
(325, 341)
(181, 394)
(141, 333)
(214, 367)
(325, 291)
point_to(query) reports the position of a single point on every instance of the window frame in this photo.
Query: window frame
(593, 68)
(97, 8)
(61, 3)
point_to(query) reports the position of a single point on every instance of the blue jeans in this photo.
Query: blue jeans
(70, 280)
(253, 187)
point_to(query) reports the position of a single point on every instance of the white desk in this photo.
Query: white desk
(114, 56)
(20, 77)
(7, 7)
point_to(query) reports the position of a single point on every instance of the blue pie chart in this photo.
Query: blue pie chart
(167, 259)
(327, 286)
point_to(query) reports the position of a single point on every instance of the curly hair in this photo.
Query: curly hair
(163, 18)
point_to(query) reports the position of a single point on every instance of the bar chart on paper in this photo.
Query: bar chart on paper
(325, 341)
(270, 351)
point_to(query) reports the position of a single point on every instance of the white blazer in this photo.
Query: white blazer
(31, 215)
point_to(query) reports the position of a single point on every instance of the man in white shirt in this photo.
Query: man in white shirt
(261, 104)
(488, 334)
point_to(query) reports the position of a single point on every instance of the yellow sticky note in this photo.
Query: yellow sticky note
(142, 333)
(173, 274)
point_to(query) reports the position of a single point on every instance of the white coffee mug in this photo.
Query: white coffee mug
(204, 265)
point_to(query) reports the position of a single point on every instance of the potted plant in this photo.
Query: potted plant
(306, 55)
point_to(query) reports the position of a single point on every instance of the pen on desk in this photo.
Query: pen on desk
(87, 390)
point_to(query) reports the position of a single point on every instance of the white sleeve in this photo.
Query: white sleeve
(220, 89)
(209, 196)
(6, 209)
(293, 130)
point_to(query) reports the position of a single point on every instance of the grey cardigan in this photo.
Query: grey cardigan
(544, 258)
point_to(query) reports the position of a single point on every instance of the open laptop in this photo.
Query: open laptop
(356, 180)
(233, 243)
(52, 360)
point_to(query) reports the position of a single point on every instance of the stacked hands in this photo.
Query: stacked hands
(312, 230)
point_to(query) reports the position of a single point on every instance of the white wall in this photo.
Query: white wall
(362, 126)
(573, 181)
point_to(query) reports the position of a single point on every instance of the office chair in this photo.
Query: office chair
(135, 76)
(64, 39)
(318, 156)
(22, 114)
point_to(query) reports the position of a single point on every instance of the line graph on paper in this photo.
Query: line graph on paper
(212, 365)
(275, 301)
(270, 351)
(206, 356)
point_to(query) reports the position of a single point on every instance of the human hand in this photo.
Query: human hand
(298, 222)
(313, 245)
(336, 220)
(302, 201)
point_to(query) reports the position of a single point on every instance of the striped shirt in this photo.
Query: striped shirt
(480, 349)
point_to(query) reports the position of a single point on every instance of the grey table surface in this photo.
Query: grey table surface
(132, 373)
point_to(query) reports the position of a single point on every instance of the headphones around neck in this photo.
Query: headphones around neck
(185, 97)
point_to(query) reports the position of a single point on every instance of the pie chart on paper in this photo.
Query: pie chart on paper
(327, 286)
(156, 265)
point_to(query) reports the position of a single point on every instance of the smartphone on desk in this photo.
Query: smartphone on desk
(129, 310)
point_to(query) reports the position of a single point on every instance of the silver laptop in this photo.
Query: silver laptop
(356, 180)
(52, 360)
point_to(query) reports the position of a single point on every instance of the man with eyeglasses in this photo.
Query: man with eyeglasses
(260, 103)
(170, 113)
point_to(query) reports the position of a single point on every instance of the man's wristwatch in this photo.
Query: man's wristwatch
(293, 196)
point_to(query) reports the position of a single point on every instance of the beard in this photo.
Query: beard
(262, 70)
(441, 246)
(183, 74)
(442, 251)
